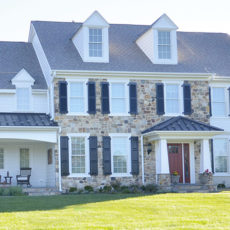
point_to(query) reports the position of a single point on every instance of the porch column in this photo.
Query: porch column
(162, 163)
(205, 156)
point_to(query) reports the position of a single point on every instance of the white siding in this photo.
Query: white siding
(78, 41)
(38, 162)
(39, 102)
(145, 42)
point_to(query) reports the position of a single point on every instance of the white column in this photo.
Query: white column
(205, 156)
(162, 161)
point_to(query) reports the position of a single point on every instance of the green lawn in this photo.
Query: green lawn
(117, 211)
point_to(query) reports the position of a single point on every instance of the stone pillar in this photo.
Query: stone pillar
(205, 156)
(162, 163)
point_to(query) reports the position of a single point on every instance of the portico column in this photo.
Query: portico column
(205, 156)
(162, 163)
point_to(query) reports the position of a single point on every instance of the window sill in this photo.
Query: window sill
(121, 175)
(77, 114)
(222, 117)
(79, 175)
(221, 174)
(119, 114)
(173, 114)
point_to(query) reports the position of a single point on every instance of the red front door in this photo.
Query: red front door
(179, 162)
(175, 159)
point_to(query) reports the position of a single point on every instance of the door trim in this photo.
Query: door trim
(191, 156)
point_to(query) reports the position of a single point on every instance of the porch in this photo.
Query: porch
(182, 146)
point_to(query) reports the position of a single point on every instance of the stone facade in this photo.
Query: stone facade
(101, 125)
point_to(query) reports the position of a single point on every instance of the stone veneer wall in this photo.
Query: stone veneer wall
(101, 125)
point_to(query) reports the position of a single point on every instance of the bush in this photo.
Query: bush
(72, 189)
(116, 186)
(88, 188)
(221, 186)
(107, 188)
(150, 188)
(11, 191)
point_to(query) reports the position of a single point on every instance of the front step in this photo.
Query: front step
(184, 188)
(41, 191)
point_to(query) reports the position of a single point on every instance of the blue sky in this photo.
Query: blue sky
(189, 15)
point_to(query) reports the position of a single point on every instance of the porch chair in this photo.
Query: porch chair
(24, 177)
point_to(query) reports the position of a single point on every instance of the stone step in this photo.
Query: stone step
(41, 191)
(194, 188)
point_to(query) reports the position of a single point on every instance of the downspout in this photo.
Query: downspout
(142, 161)
(59, 161)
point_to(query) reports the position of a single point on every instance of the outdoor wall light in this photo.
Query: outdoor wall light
(149, 148)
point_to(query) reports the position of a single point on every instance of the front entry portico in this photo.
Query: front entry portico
(181, 145)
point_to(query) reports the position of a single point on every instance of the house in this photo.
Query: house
(94, 103)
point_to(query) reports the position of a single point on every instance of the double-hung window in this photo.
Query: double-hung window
(95, 42)
(119, 102)
(24, 158)
(120, 150)
(1, 159)
(23, 99)
(77, 97)
(218, 102)
(221, 155)
(164, 45)
(79, 157)
(172, 99)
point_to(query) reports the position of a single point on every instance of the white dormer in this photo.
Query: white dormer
(159, 42)
(92, 39)
(23, 83)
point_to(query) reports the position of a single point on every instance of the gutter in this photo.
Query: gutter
(82, 73)
(35, 128)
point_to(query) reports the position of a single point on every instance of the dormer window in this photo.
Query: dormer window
(23, 99)
(92, 39)
(164, 45)
(95, 42)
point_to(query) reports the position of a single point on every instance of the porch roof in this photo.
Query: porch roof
(181, 123)
(26, 119)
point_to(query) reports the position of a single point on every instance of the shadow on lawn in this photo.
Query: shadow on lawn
(26, 203)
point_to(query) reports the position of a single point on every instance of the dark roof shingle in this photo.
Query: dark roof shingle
(181, 124)
(197, 52)
(26, 119)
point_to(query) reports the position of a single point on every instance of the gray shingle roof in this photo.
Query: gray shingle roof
(15, 56)
(181, 124)
(198, 52)
(26, 119)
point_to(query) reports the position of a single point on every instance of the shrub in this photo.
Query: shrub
(221, 186)
(107, 188)
(116, 186)
(88, 188)
(151, 188)
(11, 191)
(72, 189)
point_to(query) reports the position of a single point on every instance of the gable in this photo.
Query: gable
(164, 22)
(95, 19)
(22, 78)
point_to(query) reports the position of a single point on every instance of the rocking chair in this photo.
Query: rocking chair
(24, 177)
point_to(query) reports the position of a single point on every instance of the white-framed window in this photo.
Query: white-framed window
(24, 158)
(221, 155)
(23, 99)
(79, 155)
(121, 154)
(119, 103)
(218, 102)
(173, 98)
(95, 42)
(77, 97)
(164, 44)
(1, 158)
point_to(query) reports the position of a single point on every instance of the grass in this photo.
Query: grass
(117, 211)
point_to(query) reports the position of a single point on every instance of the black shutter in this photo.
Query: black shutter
(229, 100)
(134, 156)
(187, 99)
(160, 98)
(133, 97)
(106, 155)
(91, 97)
(210, 102)
(64, 143)
(212, 156)
(105, 98)
(93, 155)
(63, 97)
